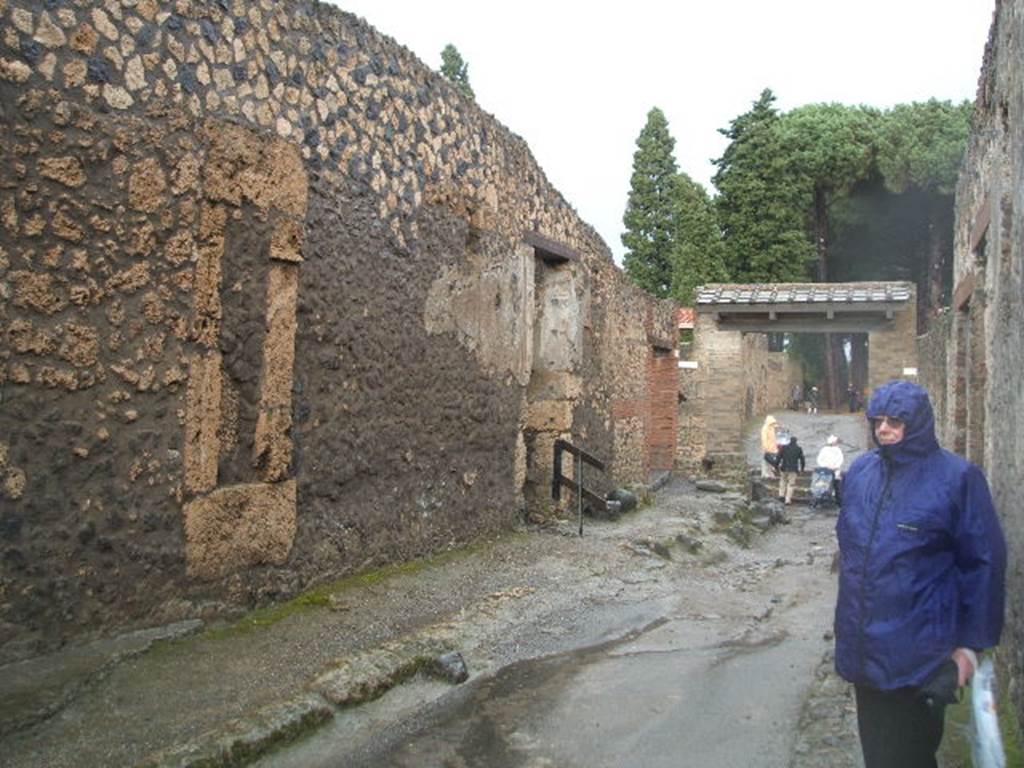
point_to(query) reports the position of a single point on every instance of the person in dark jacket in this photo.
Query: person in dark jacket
(921, 578)
(791, 461)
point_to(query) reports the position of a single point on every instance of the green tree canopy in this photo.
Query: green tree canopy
(922, 145)
(455, 69)
(830, 149)
(857, 192)
(699, 254)
(761, 203)
(920, 148)
(650, 217)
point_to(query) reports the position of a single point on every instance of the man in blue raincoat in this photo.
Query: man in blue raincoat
(921, 578)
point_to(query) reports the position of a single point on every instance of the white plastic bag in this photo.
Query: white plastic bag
(987, 744)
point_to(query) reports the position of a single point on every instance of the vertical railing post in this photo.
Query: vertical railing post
(579, 489)
(556, 475)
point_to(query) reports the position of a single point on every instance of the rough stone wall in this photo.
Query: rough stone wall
(635, 386)
(691, 440)
(893, 350)
(268, 315)
(736, 380)
(721, 387)
(985, 399)
(770, 376)
(934, 371)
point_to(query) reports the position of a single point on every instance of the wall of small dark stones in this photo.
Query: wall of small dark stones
(117, 183)
(933, 371)
(989, 299)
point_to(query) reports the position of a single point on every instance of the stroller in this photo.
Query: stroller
(821, 487)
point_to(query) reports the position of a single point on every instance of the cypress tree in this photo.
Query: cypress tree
(699, 254)
(650, 217)
(761, 205)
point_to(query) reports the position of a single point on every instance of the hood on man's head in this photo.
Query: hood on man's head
(908, 402)
(769, 419)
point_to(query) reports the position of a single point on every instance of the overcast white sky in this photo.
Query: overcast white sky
(576, 79)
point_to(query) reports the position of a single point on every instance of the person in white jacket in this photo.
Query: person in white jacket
(831, 457)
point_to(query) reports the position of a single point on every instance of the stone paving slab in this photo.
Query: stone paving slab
(34, 689)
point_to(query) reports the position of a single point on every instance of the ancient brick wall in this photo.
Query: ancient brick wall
(985, 406)
(770, 376)
(268, 313)
(736, 379)
(662, 394)
(894, 350)
(720, 387)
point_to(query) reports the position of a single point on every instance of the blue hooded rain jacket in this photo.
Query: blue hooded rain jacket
(922, 554)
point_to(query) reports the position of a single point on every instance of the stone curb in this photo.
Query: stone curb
(352, 681)
(242, 741)
(370, 675)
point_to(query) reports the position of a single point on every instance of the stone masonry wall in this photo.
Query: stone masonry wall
(720, 388)
(770, 376)
(892, 351)
(934, 371)
(733, 370)
(984, 394)
(268, 315)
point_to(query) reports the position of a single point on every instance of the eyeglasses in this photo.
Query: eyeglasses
(891, 421)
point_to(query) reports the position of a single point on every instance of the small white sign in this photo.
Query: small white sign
(691, 364)
(910, 371)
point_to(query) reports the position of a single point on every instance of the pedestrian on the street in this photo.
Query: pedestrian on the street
(791, 462)
(769, 446)
(831, 457)
(921, 579)
(851, 394)
(812, 400)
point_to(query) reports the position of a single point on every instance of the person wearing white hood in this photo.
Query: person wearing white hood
(831, 457)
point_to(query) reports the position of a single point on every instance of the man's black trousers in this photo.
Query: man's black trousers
(897, 729)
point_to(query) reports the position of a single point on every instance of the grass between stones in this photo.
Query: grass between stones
(325, 595)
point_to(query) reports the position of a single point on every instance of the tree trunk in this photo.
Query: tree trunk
(938, 248)
(831, 390)
(859, 361)
(821, 232)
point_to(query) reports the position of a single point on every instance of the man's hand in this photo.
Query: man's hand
(966, 662)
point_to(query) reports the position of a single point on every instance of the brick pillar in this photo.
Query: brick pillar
(719, 356)
(662, 397)
(894, 349)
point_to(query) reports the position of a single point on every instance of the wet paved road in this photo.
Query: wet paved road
(710, 666)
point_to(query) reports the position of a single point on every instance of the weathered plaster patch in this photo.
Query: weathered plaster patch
(272, 445)
(489, 307)
(202, 421)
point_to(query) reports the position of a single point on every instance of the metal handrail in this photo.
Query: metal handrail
(558, 480)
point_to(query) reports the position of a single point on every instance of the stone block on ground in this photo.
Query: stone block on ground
(245, 739)
(450, 667)
(711, 486)
(689, 543)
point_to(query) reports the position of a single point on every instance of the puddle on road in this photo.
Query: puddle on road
(498, 723)
(480, 729)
